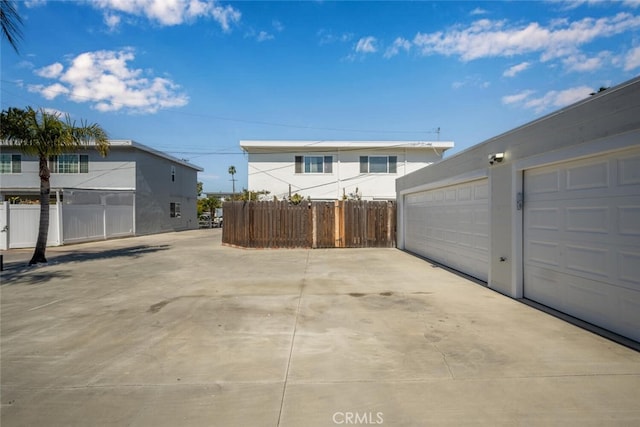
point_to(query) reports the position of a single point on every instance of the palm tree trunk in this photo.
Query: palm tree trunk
(43, 231)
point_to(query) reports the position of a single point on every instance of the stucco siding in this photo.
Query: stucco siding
(275, 172)
(156, 190)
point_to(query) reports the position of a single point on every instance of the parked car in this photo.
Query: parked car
(205, 221)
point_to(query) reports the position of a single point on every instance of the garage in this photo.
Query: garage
(450, 225)
(581, 239)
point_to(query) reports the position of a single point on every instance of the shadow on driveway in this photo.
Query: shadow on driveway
(21, 272)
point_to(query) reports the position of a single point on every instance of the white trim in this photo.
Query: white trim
(599, 146)
(262, 145)
(458, 179)
(142, 147)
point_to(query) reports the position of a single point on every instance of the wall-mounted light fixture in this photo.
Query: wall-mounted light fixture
(496, 158)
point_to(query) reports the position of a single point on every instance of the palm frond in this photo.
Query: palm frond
(11, 23)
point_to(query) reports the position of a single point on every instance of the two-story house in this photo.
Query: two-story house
(134, 190)
(332, 170)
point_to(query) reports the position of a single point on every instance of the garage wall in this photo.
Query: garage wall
(605, 122)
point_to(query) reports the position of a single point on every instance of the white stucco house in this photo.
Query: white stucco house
(134, 190)
(331, 170)
(549, 211)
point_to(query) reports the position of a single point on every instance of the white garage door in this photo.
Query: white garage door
(582, 239)
(450, 225)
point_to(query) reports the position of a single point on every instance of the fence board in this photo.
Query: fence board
(351, 224)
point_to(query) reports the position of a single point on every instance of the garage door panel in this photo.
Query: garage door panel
(455, 224)
(581, 245)
(546, 291)
(590, 219)
(586, 260)
(544, 218)
(543, 252)
(629, 220)
(629, 171)
(588, 177)
(629, 269)
(542, 182)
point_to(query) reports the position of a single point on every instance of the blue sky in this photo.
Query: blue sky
(194, 77)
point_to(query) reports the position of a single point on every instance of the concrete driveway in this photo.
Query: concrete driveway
(178, 330)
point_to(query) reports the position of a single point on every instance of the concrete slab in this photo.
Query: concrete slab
(176, 329)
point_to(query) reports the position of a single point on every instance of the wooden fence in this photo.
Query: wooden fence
(339, 224)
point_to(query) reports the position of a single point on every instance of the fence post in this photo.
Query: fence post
(4, 226)
(314, 225)
(338, 225)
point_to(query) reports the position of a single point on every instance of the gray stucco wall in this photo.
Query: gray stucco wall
(155, 190)
(607, 121)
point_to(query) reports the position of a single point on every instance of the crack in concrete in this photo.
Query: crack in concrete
(293, 338)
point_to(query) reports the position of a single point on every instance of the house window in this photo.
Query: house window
(69, 163)
(314, 164)
(378, 164)
(10, 163)
(174, 210)
(173, 173)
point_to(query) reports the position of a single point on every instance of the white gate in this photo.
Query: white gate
(19, 225)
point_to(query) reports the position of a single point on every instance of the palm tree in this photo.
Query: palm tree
(232, 172)
(44, 134)
(10, 22)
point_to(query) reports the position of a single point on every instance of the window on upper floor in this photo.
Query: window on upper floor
(314, 164)
(378, 164)
(173, 173)
(10, 163)
(69, 163)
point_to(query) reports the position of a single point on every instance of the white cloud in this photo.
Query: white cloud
(264, 36)
(632, 59)
(104, 79)
(398, 44)
(516, 98)
(581, 63)
(328, 37)
(486, 38)
(34, 3)
(173, 12)
(112, 20)
(552, 99)
(631, 3)
(478, 11)
(49, 92)
(277, 25)
(366, 45)
(50, 71)
(512, 71)
(471, 81)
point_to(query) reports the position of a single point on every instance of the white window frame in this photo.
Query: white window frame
(69, 163)
(10, 163)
